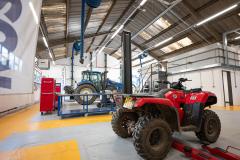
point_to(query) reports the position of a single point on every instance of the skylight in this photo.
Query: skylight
(177, 45)
(155, 28)
(145, 35)
(119, 53)
(161, 23)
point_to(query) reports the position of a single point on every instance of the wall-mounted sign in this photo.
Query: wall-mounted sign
(44, 64)
(18, 41)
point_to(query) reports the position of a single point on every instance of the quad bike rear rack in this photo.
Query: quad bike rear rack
(206, 153)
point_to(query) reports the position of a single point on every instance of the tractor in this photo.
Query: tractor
(92, 82)
(152, 119)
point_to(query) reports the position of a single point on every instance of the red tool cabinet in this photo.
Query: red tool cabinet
(57, 90)
(47, 99)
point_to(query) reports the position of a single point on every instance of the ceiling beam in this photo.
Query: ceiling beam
(71, 39)
(89, 13)
(43, 28)
(153, 20)
(179, 22)
(118, 20)
(176, 38)
(67, 26)
(197, 16)
(103, 22)
(185, 49)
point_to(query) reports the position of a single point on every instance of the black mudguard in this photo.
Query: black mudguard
(193, 114)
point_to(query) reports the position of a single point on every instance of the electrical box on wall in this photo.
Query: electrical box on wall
(44, 64)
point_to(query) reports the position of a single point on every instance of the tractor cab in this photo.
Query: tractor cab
(93, 77)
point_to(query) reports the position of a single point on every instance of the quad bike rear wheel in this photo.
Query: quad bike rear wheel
(152, 138)
(122, 121)
(210, 128)
(85, 89)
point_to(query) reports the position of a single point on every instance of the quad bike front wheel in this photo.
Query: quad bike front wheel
(85, 89)
(152, 138)
(122, 122)
(210, 128)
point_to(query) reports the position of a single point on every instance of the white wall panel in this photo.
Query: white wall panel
(211, 80)
(17, 52)
(19, 49)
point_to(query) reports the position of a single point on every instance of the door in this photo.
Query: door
(227, 88)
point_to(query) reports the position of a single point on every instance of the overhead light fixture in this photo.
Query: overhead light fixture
(237, 38)
(142, 3)
(238, 14)
(33, 12)
(117, 31)
(216, 15)
(161, 43)
(45, 41)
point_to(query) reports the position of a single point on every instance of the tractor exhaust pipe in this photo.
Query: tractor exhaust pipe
(126, 62)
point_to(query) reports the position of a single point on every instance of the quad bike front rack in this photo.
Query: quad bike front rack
(207, 153)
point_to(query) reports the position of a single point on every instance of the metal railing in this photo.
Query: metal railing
(84, 108)
(148, 76)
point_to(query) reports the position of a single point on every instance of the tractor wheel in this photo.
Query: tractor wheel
(85, 89)
(210, 128)
(121, 122)
(152, 138)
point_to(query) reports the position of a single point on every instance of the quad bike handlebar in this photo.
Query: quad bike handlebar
(176, 85)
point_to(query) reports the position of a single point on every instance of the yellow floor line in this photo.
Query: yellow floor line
(70, 122)
(227, 108)
(20, 122)
(54, 151)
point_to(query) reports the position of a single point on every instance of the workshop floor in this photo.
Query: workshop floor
(26, 135)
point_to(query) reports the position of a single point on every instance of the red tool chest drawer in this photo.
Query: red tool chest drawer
(47, 99)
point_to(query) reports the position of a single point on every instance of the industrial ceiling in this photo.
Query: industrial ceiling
(163, 28)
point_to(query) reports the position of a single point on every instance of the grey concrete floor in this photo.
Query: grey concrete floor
(98, 141)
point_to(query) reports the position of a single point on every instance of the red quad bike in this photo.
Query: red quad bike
(151, 120)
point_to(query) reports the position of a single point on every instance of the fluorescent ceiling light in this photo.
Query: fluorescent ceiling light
(143, 2)
(165, 41)
(117, 31)
(45, 41)
(216, 15)
(33, 12)
(237, 38)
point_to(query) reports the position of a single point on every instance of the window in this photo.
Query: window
(11, 61)
(95, 77)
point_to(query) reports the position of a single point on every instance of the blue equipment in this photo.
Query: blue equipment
(142, 56)
(94, 82)
(92, 4)
(108, 106)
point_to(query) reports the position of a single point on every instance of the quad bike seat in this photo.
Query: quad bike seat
(194, 90)
(161, 93)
